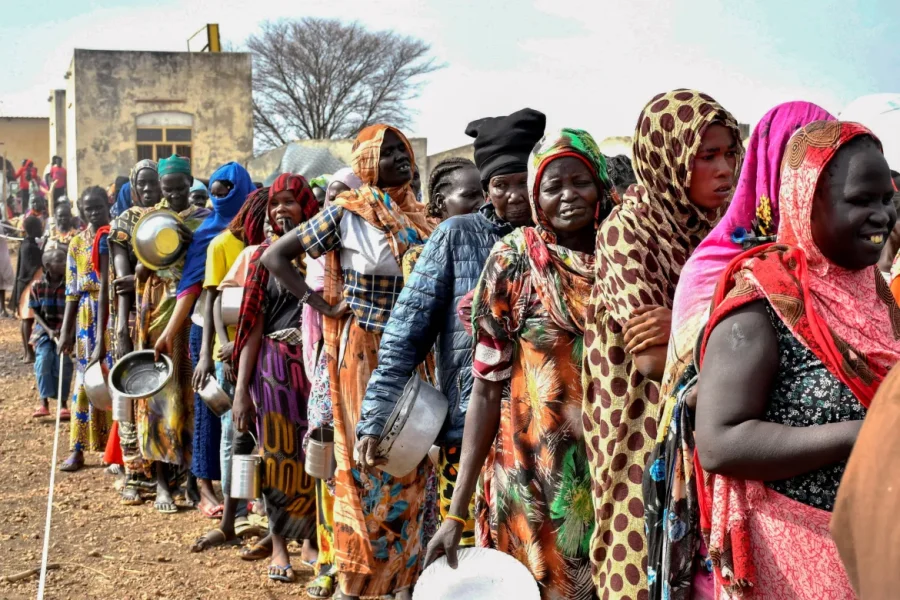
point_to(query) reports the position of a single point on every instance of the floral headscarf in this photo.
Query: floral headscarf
(644, 243)
(132, 179)
(561, 277)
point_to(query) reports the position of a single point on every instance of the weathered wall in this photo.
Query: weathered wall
(111, 89)
(58, 124)
(25, 137)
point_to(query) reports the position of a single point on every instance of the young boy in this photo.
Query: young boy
(48, 302)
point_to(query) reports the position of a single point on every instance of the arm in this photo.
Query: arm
(67, 335)
(124, 298)
(102, 310)
(482, 424)
(735, 382)
(182, 311)
(277, 259)
(243, 411)
(205, 365)
(410, 333)
(647, 335)
(227, 346)
(652, 362)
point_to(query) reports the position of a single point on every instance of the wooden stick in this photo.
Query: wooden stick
(28, 573)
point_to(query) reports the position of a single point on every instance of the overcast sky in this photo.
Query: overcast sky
(582, 65)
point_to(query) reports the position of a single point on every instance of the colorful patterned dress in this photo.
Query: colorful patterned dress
(89, 426)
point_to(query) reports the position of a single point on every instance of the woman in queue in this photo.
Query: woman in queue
(801, 335)
(528, 316)
(364, 235)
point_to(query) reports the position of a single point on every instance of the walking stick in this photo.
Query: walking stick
(46, 551)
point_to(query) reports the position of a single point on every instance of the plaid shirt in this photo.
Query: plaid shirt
(321, 234)
(49, 301)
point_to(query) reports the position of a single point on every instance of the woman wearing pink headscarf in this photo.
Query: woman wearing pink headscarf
(675, 561)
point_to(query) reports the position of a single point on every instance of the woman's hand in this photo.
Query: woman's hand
(164, 344)
(225, 352)
(445, 543)
(124, 285)
(204, 370)
(651, 326)
(367, 454)
(99, 352)
(67, 342)
(338, 310)
(243, 412)
(186, 235)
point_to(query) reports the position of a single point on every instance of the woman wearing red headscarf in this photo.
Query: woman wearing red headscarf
(271, 381)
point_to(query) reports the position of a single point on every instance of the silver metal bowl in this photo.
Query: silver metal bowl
(138, 375)
(96, 388)
(156, 241)
(231, 304)
(214, 397)
(413, 427)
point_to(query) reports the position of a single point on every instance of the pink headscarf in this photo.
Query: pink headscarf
(760, 179)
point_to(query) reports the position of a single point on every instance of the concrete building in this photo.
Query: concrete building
(121, 107)
(25, 137)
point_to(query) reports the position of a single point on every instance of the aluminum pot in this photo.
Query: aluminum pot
(413, 427)
(231, 304)
(138, 375)
(214, 397)
(246, 476)
(96, 388)
(156, 240)
(320, 461)
(122, 408)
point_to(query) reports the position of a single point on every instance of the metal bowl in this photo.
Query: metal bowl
(215, 398)
(156, 241)
(231, 304)
(413, 427)
(138, 375)
(96, 388)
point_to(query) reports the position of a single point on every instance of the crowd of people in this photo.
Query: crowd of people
(656, 368)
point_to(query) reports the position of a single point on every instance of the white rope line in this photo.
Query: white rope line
(46, 552)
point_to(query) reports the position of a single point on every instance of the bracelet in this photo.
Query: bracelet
(459, 520)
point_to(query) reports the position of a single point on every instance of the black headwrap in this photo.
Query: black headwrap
(502, 144)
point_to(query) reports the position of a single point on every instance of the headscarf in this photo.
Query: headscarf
(140, 166)
(253, 303)
(123, 200)
(646, 240)
(199, 185)
(174, 164)
(848, 319)
(561, 277)
(249, 224)
(503, 144)
(224, 210)
(347, 177)
(753, 211)
(321, 181)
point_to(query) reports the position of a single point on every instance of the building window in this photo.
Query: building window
(157, 143)
(162, 134)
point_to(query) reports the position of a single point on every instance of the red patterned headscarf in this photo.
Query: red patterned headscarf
(299, 187)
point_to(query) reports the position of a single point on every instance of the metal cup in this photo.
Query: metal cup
(246, 476)
(122, 408)
(320, 461)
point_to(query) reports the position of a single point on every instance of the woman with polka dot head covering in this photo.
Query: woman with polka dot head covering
(686, 155)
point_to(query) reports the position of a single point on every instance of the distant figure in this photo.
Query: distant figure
(30, 269)
(621, 173)
(26, 174)
(57, 178)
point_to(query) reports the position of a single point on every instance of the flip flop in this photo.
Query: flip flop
(70, 466)
(322, 582)
(255, 552)
(65, 415)
(41, 412)
(131, 497)
(283, 574)
(244, 528)
(213, 538)
(211, 513)
(165, 508)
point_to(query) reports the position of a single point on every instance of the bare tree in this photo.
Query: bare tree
(321, 78)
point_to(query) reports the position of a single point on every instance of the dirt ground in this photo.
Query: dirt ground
(103, 549)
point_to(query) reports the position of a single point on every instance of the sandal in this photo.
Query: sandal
(165, 508)
(283, 574)
(213, 538)
(65, 415)
(256, 552)
(211, 513)
(131, 497)
(244, 528)
(322, 582)
(41, 412)
(70, 466)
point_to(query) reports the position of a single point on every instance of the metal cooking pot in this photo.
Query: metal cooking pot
(96, 388)
(231, 304)
(138, 375)
(246, 476)
(320, 462)
(214, 397)
(156, 240)
(413, 426)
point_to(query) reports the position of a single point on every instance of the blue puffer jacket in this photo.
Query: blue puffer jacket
(425, 312)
